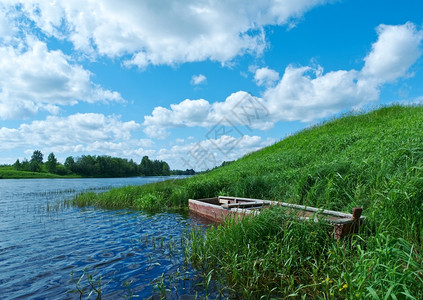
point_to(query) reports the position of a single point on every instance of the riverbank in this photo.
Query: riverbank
(372, 160)
(8, 172)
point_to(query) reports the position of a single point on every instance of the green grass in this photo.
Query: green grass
(8, 172)
(373, 160)
(271, 255)
(155, 196)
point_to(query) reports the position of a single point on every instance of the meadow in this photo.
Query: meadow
(373, 160)
(9, 172)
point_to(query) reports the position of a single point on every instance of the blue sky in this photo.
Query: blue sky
(195, 83)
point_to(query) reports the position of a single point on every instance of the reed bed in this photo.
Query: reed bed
(274, 256)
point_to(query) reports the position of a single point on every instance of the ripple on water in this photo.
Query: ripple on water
(39, 249)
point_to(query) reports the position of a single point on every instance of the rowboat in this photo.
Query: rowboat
(222, 207)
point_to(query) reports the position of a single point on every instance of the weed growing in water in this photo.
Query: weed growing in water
(373, 160)
(94, 285)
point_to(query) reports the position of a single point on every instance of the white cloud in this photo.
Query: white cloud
(303, 93)
(209, 153)
(79, 133)
(198, 79)
(7, 28)
(306, 94)
(187, 113)
(165, 32)
(266, 76)
(239, 108)
(157, 132)
(34, 78)
(82, 134)
(396, 49)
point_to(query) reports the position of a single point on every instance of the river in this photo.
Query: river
(49, 250)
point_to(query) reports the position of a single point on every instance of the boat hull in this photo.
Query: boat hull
(221, 208)
(212, 211)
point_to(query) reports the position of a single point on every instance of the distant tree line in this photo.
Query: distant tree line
(97, 166)
(182, 172)
(101, 166)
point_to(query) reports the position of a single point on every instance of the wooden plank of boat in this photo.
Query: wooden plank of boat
(211, 209)
(222, 207)
(244, 205)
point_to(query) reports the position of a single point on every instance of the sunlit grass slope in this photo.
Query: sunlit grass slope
(8, 172)
(373, 160)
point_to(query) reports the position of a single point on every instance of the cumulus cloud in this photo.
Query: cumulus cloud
(93, 133)
(187, 113)
(168, 32)
(306, 93)
(198, 79)
(266, 76)
(34, 78)
(208, 153)
(303, 93)
(396, 49)
(156, 131)
(240, 108)
(82, 133)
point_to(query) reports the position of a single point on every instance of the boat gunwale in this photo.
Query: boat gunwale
(344, 218)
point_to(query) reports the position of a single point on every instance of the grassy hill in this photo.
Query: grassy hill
(373, 160)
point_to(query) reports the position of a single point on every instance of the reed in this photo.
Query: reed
(272, 256)
(372, 160)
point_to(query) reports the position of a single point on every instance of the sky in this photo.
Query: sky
(196, 83)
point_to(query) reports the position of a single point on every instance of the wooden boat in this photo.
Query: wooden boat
(222, 207)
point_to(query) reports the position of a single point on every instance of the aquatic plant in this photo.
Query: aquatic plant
(94, 285)
(272, 255)
(373, 160)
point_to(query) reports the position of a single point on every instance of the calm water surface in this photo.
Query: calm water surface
(42, 242)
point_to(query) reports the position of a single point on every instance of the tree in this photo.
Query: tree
(25, 166)
(153, 167)
(37, 157)
(165, 169)
(85, 165)
(17, 165)
(36, 161)
(146, 166)
(51, 163)
(34, 166)
(70, 164)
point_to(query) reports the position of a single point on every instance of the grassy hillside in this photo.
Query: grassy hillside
(374, 160)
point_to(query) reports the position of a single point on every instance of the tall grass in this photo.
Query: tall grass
(373, 160)
(154, 196)
(271, 255)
